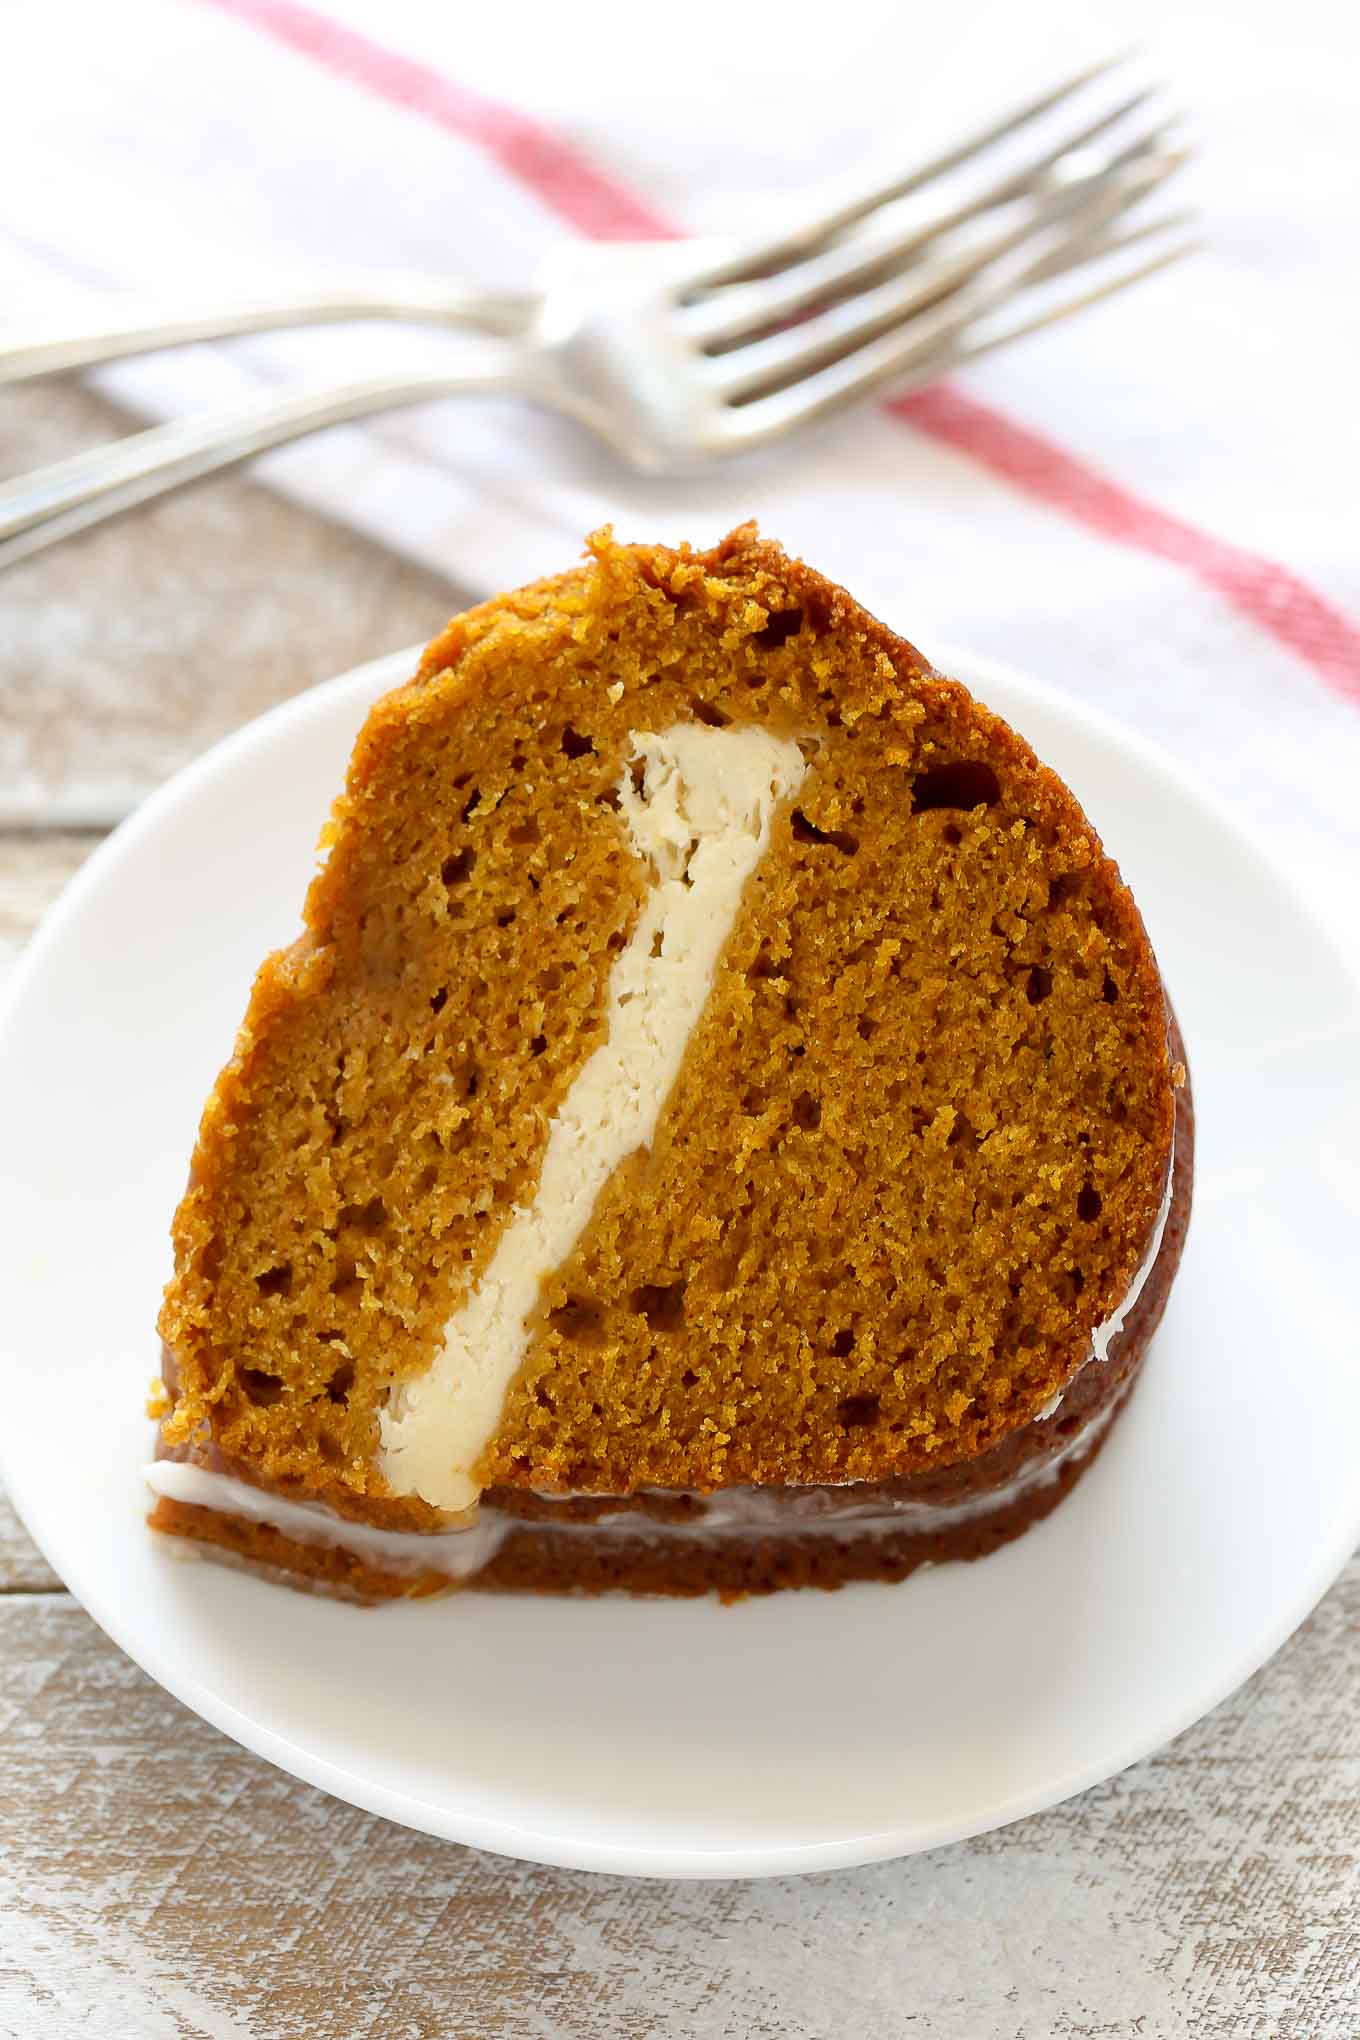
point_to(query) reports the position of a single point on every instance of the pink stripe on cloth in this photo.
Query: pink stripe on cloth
(1277, 601)
(559, 175)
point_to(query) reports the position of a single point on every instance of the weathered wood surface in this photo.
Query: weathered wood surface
(127, 651)
(23, 1569)
(157, 1881)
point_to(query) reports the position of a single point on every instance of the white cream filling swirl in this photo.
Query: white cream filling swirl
(701, 820)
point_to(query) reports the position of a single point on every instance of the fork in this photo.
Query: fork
(677, 354)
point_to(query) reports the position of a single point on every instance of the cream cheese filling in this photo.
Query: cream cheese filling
(701, 819)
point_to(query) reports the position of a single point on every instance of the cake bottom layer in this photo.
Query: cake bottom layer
(734, 1541)
(857, 1539)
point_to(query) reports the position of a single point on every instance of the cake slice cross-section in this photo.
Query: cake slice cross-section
(720, 1127)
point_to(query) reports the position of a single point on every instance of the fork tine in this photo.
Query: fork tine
(747, 307)
(1109, 242)
(1187, 245)
(796, 242)
(940, 338)
(1164, 135)
(779, 358)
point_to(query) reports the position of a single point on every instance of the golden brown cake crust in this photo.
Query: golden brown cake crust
(917, 1147)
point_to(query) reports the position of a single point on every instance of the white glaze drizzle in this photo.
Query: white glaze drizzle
(1114, 1324)
(1111, 1326)
(731, 1514)
(456, 1553)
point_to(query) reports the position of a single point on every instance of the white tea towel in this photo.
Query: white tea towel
(1152, 506)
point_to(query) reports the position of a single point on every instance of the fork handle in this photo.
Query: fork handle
(411, 299)
(52, 503)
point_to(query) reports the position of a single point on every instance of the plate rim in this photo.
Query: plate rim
(504, 1836)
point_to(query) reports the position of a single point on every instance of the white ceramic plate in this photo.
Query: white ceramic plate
(685, 1739)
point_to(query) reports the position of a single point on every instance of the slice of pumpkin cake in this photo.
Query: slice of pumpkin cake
(720, 1126)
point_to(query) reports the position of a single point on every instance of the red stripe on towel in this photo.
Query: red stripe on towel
(1272, 598)
(568, 184)
(564, 179)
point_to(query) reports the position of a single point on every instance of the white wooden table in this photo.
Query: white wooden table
(156, 1880)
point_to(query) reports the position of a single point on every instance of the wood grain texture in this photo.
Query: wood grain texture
(125, 652)
(33, 870)
(157, 1881)
(23, 1569)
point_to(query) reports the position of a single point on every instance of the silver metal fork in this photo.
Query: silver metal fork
(680, 353)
